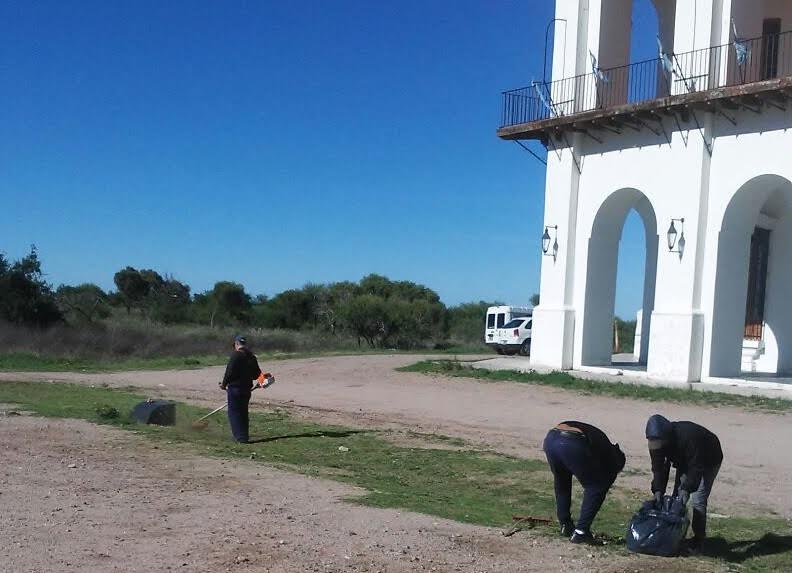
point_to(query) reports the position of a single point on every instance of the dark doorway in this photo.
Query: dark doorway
(771, 28)
(757, 283)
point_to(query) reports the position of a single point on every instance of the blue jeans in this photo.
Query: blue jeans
(238, 400)
(572, 456)
(698, 499)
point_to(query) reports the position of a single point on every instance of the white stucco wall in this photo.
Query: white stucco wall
(777, 356)
(748, 15)
(747, 168)
(679, 180)
(694, 305)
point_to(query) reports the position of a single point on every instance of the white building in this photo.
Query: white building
(698, 142)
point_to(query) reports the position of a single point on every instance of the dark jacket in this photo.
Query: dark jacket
(611, 457)
(690, 448)
(242, 369)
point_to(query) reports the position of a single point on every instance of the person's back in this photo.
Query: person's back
(242, 368)
(610, 455)
(695, 444)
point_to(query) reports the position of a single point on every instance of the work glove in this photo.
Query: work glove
(655, 503)
(680, 502)
(648, 505)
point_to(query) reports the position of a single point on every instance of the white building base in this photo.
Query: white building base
(553, 349)
(675, 346)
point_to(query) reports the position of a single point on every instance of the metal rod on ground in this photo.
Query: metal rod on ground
(521, 520)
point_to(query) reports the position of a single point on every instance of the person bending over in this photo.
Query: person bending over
(696, 454)
(584, 451)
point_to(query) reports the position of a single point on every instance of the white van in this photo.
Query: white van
(498, 317)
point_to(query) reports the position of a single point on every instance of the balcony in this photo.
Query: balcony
(746, 74)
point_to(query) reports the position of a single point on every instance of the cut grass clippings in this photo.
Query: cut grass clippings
(466, 485)
(566, 381)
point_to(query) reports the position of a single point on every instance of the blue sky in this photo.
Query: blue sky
(276, 143)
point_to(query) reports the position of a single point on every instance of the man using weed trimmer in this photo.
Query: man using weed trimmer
(241, 376)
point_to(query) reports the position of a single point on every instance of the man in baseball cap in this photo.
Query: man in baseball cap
(242, 370)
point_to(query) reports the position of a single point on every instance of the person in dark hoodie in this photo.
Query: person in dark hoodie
(241, 371)
(581, 450)
(696, 454)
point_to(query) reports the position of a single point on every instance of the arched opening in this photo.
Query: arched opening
(752, 315)
(601, 276)
(629, 31)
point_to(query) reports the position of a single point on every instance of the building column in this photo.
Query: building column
(554, 319)
(676, 341)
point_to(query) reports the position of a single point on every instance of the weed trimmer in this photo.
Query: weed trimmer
(263, 381)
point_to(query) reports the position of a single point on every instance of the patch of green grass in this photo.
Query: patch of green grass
(29, 362)
(566, 381)
(25, 362)
(472, 486)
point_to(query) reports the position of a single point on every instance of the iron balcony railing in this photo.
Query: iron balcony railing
(739, 62)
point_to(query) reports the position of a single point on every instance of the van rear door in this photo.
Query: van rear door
(489, 329)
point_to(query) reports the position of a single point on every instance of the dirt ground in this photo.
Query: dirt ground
(130, 505)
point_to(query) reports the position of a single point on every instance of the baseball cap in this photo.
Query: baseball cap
(240, 339)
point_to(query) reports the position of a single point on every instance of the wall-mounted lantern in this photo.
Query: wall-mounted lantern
(676, 245)
(546, 249)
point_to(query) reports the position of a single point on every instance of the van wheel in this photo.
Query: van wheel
(525, 348)
(499, 350)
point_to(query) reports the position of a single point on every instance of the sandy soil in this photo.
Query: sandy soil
(514, 418)
(77, 497)
(130, 505)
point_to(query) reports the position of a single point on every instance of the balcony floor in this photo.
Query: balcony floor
(775, 93)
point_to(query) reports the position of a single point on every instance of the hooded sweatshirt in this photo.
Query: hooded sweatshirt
(690, 448)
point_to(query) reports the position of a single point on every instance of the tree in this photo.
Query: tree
(169, 302)
(83, 302)
(466, 321)
(535, 299)
(365, 315)
(132, 287)
(229, 303)
(338, 294)
(25, 298)
(291, 309)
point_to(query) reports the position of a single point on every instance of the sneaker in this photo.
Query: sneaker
(567, 528)
(580, 536)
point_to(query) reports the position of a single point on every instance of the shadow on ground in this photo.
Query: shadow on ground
(740, 551)
(317, 434)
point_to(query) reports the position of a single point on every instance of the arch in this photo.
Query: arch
(602, 261)
(765, 202)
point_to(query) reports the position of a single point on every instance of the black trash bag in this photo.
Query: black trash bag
(159, 412)
(658, 530)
